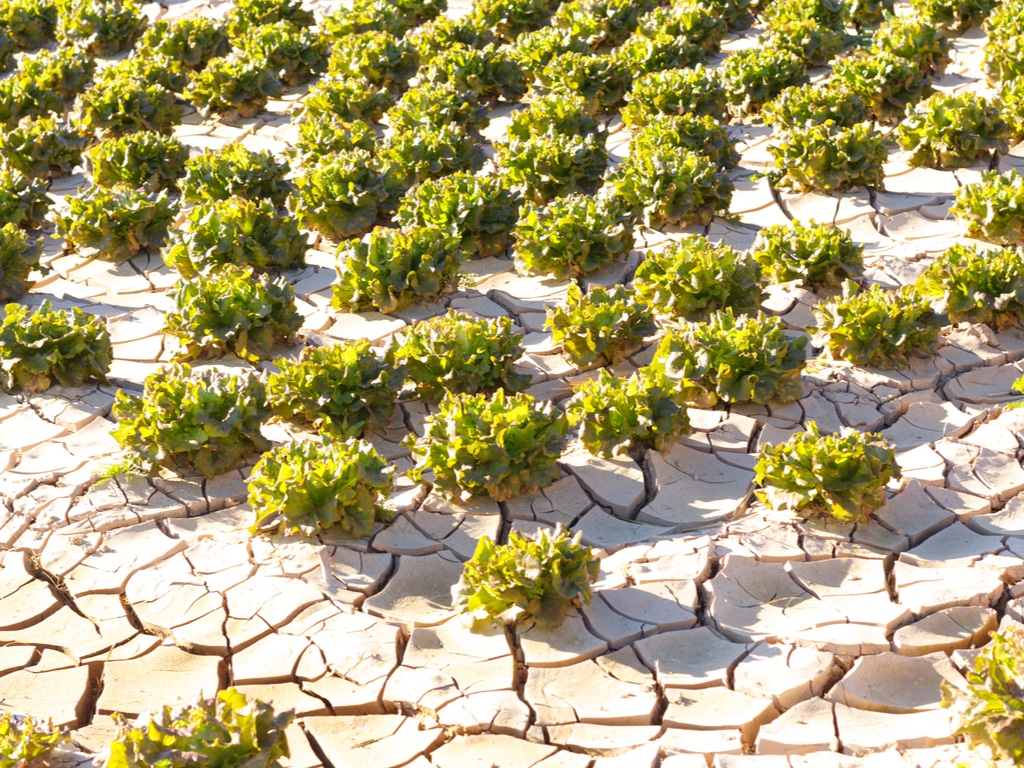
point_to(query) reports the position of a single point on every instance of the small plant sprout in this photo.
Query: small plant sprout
(531, 579)
(839, 475)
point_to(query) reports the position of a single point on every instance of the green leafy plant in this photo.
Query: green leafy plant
(437, 36)
(100, 27)
(508, 19)
(68, 347)
(867, 13)
(952, 130)
(64, 71)
(364, 16)
(616, 415)
(743, 359)
(191, 41)
(29, 23)
(1011, 99)
(309, 487)
(571, 235)
(42, 147)
(600, 22)
(954, 15)
(237, 231)
(843, 476)
(346, 99)
(144, 159)
(813, 43)
(116, 223)
(436, 105)
(241, 83)
(702, 134)
(827, 13)
(801, 104)
(829, 158)
(876, 327)
(691, 279)
(480, 210)
(885, 82)
(408, 157)
(489, 72)
(698, 22)
(149, 69)
(547, 166)
(978, 286)
(554, 114)
(247, 14)
(228, 729)
(757, 75)
(601, 324)
(235, 171)
(375, 57)
(815, 254)
(25, 742)
(18, 257)
(23, 201)
(530, 579)
(670, 186)
(232, 310)
(126, 105)
(321, 135)
(737, 13)
(1003, 58)
(658, 52)
(294, 54)
(389, 269)
(533, 50)
(459, 354)
(340, 196)
(915, 39)
(500, 445)
(993, 209)
(206, 420)
(692, 91)
(602, 81)
(343, 390)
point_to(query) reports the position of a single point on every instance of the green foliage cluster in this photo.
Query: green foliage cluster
(191, 42)
(247, 14)
(868, 13)
(144, 159)
(755, 76)
(533, 50)
(746, 359)
(410, 156)
(801, 104)
(616, 415)
(691, 279)
(25, 742)
(829, 158)
(816, 254)
(885, 82)
(346, 98)
(18, 257)
(488, 72)
(601, 80)
(571, 235)
(342, 390)
(364, 16)
(954, 15)
(375, 57)
(663, 185)
(23, 200)
(234, 82)
(480, 210)
(125, 105)
(658, 52)
(50, 345)
(694, 20)
(993, 209)
(876, 327)
(42, 147)
(226, 730)
(235, 171)
(815, 45)
(29, 23)
(117, 222)
(508, 19)
(43, 83)
(602, 323)
(206, 420)
(435, 105)
(692, 91)
(151, 69)
(978, 286)
(827, 13)
(439, 34)
(1011, 100)
(843, 476)
(321, 135)
(914, 39)
(309, 487)
(554, 148)
(237, 231)
(295, 55)
(100, 27)
(389, 269)
(531, 579)
(702, 134)
(500, 445)
(455, 353)
(340, 196)
(952, 130)
(232, 310)
(599, 22)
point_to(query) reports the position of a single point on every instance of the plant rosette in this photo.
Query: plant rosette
(829, 158)
(599, 325)
(993, 209)
(952, 130)
(978, 286)
(812, 254)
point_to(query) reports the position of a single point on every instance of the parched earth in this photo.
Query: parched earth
(719, 629)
